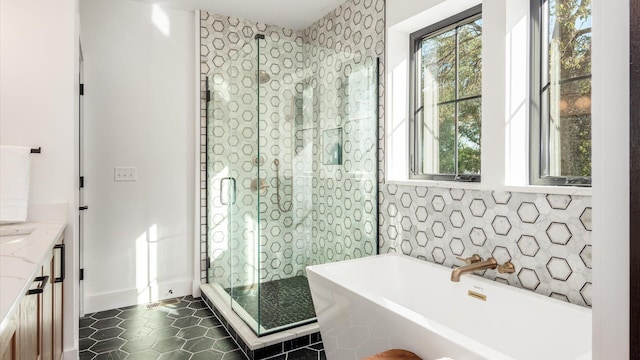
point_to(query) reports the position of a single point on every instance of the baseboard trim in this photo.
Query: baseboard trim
(128, 297)
(72, 354)
(195, 289)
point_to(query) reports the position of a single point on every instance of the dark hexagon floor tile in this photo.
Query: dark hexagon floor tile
(144, 355)
(234, 355)
(165, 332)
(225, 345)
(179, 305)
(180, 312)
(210, 322)
(138, 332)
(190, 298)
(154, 313)
(132, 313)
(191, 332)
(158, 323)
(86, 332)
(203, 313)
(86, 343)
(186, 322)
(217, 333)
(106, 323)
(208, 355)
(112, 355)
(105, 334)
(139, 344)
(107, 345)
(166, 345)
(198, 305)
(87, 355)
(175, 355)
(199, 344)
(106, 314)
(86, 321)
(133, 323)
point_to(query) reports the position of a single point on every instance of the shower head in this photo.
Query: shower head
(263, 77)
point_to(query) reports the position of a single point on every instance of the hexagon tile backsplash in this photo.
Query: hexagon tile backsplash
(547, 237)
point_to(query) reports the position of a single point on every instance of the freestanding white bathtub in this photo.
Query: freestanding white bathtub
(369, 305)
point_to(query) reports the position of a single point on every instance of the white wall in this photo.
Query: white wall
(38, 107)
(610, 70)
(610, 136)
(139, 91)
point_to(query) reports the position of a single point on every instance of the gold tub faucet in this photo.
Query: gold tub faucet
(475, 263)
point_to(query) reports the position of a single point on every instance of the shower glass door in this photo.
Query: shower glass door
(286, 208)
(292, 172)
(234, 187)
(244, 216)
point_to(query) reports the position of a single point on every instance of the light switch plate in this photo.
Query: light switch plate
(125, 173)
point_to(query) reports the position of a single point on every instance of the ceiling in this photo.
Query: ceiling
(293, 14)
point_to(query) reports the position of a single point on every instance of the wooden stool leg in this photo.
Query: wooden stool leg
(394, 354)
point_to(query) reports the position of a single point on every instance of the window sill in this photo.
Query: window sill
(556, 190)
(536, 189)
(437, 184)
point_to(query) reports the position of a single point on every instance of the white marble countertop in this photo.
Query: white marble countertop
(21, 257)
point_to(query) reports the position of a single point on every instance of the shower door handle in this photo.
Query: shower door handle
(230, 197)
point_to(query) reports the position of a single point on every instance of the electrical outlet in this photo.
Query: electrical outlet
(121, 173)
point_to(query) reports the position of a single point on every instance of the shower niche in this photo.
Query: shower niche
(277, 201)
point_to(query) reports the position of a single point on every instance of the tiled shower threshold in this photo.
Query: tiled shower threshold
(257, 347)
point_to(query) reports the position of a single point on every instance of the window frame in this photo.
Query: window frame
(415, 39)
(538, 153)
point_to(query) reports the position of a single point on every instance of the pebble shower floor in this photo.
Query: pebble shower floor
(181, 328)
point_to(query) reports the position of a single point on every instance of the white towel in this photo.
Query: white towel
(15, 168)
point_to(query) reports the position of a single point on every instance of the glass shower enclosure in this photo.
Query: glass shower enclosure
(291, 173)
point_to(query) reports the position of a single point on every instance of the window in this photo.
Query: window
(446, 99)
(561, 93)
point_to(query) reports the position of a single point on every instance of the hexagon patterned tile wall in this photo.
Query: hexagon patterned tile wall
(546, 236)
(311, 84)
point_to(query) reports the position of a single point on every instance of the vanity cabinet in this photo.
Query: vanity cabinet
(30, 321)
(7, 341)
(35, 330)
